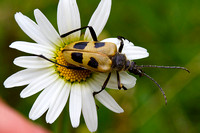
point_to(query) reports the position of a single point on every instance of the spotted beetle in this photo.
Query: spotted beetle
(103, 57)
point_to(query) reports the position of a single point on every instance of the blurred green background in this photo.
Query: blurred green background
(168, 29)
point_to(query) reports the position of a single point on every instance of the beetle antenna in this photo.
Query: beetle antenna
(68, 67)
(168, 67)
(43, 57)
(157, 85)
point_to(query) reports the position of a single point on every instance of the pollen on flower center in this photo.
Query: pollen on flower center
(70, 74)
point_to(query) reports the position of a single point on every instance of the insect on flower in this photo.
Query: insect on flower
(103, 57)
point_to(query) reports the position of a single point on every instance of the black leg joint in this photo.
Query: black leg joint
(92, 32)
(121, 43)
(124, 88)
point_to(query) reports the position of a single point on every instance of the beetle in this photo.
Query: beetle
(103, 57)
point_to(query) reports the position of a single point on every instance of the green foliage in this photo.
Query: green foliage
(168, 29)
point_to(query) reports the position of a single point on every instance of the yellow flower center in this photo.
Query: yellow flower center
(71, 75)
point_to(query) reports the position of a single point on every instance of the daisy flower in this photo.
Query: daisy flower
(57, 83)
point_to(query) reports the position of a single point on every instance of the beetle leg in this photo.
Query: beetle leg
(121, 43)
(119, 82)
(68, 67)
(92, 32)
(104, 85)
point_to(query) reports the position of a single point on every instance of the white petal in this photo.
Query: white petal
(60, 84)
(109, 102)
(127, 80)
(101, 77)
(39, 84)
(41, 104)
(132, 52)
(32, 62)
(23, 77)
(46, 28)
(31, 29)
(57, 107)
(105, 98)
(32, 48)
(68, 18)
(75, 104)
(135, 52)
(117, 41)
(43, 101)
(99, 18)
(89, 108)
(112, 84)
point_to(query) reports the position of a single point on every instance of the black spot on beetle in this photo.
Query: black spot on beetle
(78, 57)
(93, 62)
(80, 45)
(99, 44)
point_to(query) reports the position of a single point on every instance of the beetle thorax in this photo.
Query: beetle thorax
(120, 62)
